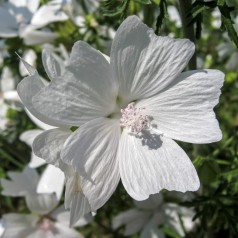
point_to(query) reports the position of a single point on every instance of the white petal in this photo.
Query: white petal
(29, 136)
(79, 208)
(51, 65)
(7, 82)
(41, 203)
(64, 231)
(151, 232)
(134, 220)
(74, 200)
(48, 13)
(39, 123)
(21, 183)
(2, 228)
(8, 24)
(92, 150)
(86, 90)
(33, 5)
(151, 163)
(26, 89)
(48, 145)
(144, 63)
(184, 111)
(51, 181)
(153, 202)
(35, 161)
(33, 37)
(18, 225)
(30, 57)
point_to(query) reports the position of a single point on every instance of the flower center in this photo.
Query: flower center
(46, 224)
(133, 119)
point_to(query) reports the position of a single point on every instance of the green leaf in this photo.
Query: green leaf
(143, 1)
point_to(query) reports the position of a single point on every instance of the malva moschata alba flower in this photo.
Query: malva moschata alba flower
(129, 112)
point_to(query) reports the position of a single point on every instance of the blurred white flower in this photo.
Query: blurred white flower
(174, 15)
(150, 214)
(227, 51)
(42, 197)
(8, 96)
(216, 22)
(45, 221)
(29, 182)
(129, 112)
(24, 18)
(3, 51)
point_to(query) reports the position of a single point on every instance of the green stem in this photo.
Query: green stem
(189, 32)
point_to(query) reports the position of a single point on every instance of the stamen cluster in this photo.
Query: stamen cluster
(133, 119)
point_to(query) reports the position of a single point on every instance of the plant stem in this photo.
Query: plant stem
(189, 32)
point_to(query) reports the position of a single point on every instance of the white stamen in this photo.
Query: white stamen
(133, 119)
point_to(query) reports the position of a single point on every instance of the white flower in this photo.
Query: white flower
(8, 96)
(45, 221)
(23, 19)
(152, 213)
(29, 182)
(159, 104)
(174, 15)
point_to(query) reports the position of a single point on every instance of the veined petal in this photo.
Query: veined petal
(144, 63)
(48, 145)
(92, 151)
(150, 163)
(184, 111)
(26, 89)
(51, 181)
(51, 64)
(86, 91)
(41, 203)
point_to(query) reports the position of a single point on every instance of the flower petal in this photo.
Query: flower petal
(26, 89)
(134, 220)
(184, 111)
(21, 183)
(51, 181)
(48, 13)
(51, 64)
(48, 145)
(91, 150)
(150, 163)
(64, 231)
(41, 203)
(144, 63)
(153, 202)
(33, 37)
(8, 24)
(86, 90)
(18, 225)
